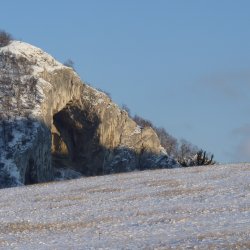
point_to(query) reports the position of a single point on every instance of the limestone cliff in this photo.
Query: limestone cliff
(51, 121)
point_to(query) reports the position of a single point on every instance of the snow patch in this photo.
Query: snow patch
(42, 60)
(137, 130)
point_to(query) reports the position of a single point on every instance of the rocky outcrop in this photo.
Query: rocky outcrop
(51, 120)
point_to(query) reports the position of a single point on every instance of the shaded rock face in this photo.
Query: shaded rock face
(51, 121)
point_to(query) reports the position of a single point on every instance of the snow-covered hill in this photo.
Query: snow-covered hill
(199, 207)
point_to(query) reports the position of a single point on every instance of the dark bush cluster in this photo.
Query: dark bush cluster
(204, 159)
(5, 38)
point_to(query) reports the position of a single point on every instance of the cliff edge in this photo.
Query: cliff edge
(53, 125)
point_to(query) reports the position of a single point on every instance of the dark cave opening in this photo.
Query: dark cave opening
(61, 157)
(75, 144)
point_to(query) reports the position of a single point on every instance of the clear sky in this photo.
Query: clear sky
(185, 65)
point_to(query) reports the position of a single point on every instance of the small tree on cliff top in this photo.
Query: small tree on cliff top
(5, 38)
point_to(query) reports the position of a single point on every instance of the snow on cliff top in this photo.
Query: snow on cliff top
(195, 208)
(41, 59)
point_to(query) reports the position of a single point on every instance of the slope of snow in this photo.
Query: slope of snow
(198, 208)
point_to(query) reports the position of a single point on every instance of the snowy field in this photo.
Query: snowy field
(192, 208)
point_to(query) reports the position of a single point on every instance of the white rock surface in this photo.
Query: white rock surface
(192, 208)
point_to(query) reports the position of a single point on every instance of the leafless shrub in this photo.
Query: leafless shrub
(126, 108)
(169, 143)
(186, 152)
(69, 63)
(5, 38)
(142, 122)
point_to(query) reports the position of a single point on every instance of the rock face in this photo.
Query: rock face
(52, 122)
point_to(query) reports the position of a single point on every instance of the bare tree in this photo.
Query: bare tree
(186, 153)
(69, 63)
(5, 38)
(169, 143)
(142, 122)
(126, 108)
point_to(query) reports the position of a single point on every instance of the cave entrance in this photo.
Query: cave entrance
(75, 144)
(63, 144)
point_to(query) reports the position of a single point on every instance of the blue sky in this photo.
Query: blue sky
(185, 65)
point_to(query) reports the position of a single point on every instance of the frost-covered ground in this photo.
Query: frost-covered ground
(199, 207)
